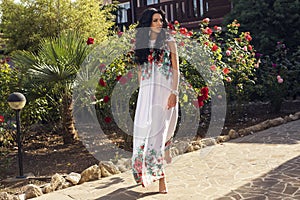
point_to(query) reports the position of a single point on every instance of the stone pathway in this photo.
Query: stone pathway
(264, 165)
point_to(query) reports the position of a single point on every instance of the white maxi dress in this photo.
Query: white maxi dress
(154, 123)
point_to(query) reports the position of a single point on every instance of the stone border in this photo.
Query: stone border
(233, 134)
(108, 168)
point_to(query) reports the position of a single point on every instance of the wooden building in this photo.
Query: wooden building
(188, 12)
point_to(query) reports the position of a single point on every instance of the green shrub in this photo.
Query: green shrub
(9, 84)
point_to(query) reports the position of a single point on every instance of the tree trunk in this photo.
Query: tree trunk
(70, 135)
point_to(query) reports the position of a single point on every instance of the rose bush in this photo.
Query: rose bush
(225, 55)
(277, 77)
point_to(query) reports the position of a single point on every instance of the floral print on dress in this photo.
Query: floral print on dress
(163, 64)
(152, 164)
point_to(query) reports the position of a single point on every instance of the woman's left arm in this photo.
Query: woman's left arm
(175, 69)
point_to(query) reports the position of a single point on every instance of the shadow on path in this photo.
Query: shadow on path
(126, 194)
(282, 182)
(109, 182)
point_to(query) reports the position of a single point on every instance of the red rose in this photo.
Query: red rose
(228, 52)
(90, 40)
(204, 91)
(226, 70)
(250, 47)
(183, 31)
(198, 104)
(106, 99)
(171, 27)
(200, 98)
(214, 47)
(206, 20)
(102, 82)
(181, 43)
(207, 31)
(176, 22)
(119, 77)
(213, 67)
(189, 34)
(107, 119)
(1, 119)
(248, 36)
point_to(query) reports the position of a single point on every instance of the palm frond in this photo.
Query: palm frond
(57, 60)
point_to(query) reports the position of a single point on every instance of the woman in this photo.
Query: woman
(157, 108)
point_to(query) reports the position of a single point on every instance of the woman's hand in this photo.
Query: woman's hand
(172, 101)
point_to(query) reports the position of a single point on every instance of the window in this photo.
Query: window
(200, 3)
(122, 12)
(150, 2)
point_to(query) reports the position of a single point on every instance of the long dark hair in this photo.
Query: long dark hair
(142, 49)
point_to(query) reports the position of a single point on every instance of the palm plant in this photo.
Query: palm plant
(56, 63)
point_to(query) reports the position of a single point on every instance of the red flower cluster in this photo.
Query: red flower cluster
(171, 26)
(102, 82)
(1, 119)
(213, 68)
(106, 99)
(248, 36)
(119, 77)
(107, 119)
(206, 20)
(214, 47)
(90, 40)
(204, 96)
(207, 31)
(250, 48)
(218, 28)
(183, 31)
(226, 70)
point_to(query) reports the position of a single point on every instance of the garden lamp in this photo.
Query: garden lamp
(17, 101)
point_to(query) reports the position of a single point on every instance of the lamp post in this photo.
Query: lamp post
(17, 101)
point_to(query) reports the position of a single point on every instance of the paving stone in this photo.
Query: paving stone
(264, 165)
